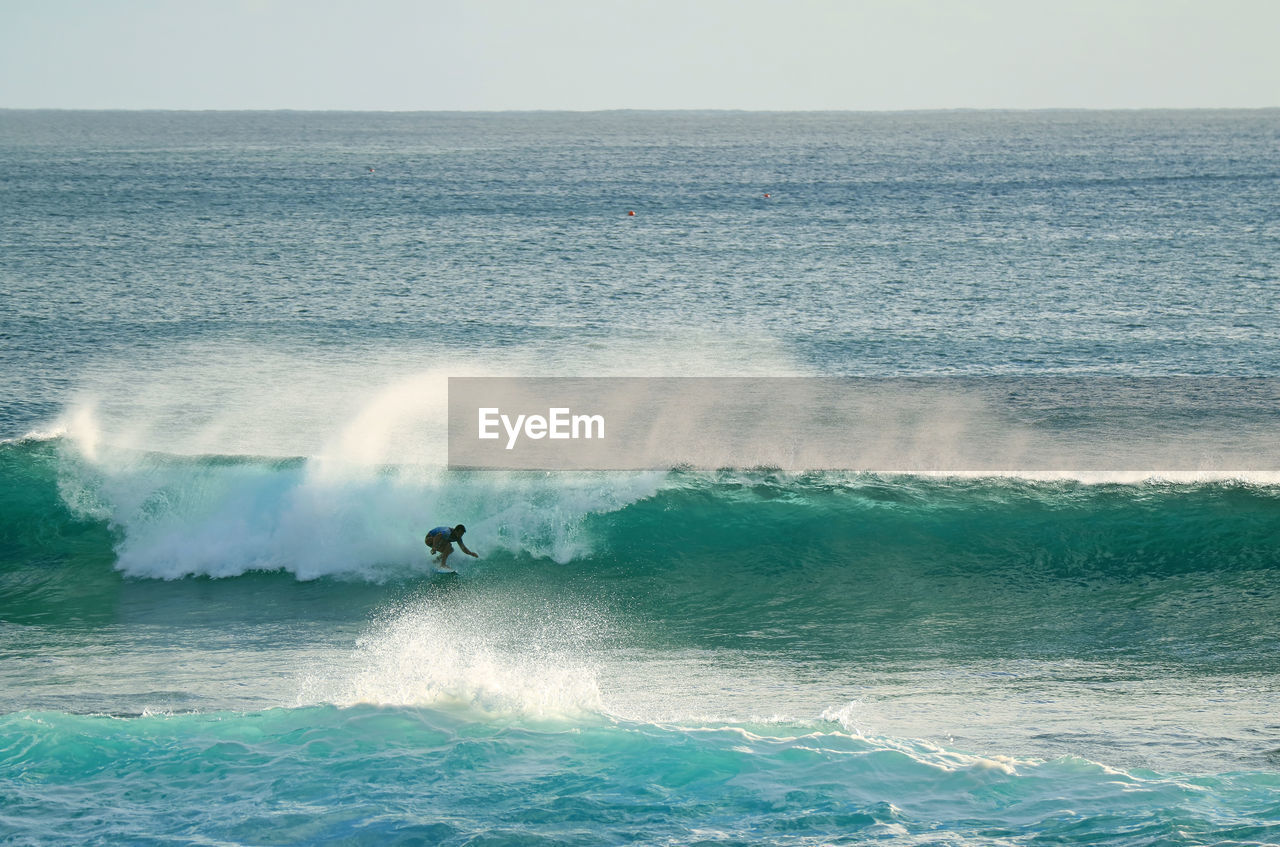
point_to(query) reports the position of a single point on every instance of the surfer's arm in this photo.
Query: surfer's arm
(465, 550)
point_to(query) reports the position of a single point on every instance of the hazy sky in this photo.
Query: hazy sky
(641, 54)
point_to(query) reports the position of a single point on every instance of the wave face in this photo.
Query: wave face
(813, 562)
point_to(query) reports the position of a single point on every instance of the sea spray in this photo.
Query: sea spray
(491, 652)
(221, 516)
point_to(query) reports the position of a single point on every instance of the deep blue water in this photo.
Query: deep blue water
(224, 344)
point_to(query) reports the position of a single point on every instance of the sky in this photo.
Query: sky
(639, 54)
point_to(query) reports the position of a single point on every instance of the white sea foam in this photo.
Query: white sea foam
(495, 654)
(178, 517)
(359, 505)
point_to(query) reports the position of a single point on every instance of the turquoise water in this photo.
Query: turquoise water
(436, 776)
(226, 338)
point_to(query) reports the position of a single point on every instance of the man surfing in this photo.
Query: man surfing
(441, 541)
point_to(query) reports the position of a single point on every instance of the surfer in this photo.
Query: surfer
(441, 540)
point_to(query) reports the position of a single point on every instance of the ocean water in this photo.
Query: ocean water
(224, 346)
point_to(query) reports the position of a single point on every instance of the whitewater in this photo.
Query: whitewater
(227, 340)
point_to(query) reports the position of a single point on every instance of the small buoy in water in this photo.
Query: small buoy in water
(631, 214)
(767, 196)
(371, 171)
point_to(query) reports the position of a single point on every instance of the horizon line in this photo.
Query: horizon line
(950, 109)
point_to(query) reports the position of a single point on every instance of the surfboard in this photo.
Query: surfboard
(439, 569)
